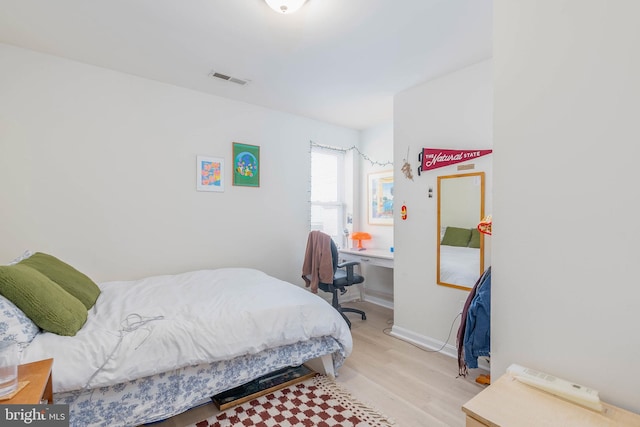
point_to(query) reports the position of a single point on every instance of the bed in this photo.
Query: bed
(459, 265)
(153, 348)
(459, 256)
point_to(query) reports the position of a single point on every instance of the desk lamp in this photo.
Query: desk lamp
(360, 236)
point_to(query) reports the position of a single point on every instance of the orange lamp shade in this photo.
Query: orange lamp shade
(360, 236)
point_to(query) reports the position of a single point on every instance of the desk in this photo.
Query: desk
(379, 257)
(508, 402)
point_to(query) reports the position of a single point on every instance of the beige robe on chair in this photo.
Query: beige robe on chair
(318, 262)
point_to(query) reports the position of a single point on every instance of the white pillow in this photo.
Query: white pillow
(26, 254)
(15, 326)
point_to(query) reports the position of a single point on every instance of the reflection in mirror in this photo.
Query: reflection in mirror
(460, 249)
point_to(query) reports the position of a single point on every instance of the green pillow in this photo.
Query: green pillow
(69, 279)
(475, 238)
(43, 301)
(455, 236)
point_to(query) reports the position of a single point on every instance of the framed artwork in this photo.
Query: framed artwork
(380, 195)
(210, 174)
(246, 165)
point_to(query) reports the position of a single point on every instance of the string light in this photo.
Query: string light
(354, 148)
(349, 219)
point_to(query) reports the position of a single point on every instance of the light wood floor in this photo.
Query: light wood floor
(412, 386)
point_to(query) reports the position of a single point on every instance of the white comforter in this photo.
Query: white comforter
(459, 265)
(144, 327)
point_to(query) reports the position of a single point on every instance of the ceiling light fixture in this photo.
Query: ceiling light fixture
(285, 7)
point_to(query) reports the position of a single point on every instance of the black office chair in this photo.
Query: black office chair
(343, 276)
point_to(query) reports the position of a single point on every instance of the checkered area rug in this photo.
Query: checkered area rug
(317, 402)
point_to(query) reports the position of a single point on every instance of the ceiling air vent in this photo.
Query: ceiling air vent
(221, 76)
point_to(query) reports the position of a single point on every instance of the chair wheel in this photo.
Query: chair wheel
(364, 317)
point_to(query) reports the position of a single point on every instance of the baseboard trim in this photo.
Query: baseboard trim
(383, 302)
(429, 343)
(424, 342)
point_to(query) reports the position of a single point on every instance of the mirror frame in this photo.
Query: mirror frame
(481, 175)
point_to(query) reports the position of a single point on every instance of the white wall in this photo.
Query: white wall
(98, 168)
(454, 111)
(565, 239)
(377, 149)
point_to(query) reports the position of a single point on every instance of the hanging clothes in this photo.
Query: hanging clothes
(474, 333)
(318, 261)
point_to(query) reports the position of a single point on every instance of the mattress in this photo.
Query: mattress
(459, 265)
(153, 325)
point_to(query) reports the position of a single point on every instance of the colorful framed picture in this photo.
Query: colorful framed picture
(380, 196)
(246, 165)
(210, 174)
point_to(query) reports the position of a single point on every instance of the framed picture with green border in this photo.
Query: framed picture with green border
(246, 165)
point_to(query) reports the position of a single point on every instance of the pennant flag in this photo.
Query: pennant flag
(432, 158)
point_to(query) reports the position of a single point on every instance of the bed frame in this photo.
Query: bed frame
(164, 395)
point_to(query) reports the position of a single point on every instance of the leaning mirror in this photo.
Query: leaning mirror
(460, 248)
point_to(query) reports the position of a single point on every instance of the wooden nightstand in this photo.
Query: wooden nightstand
(39, 388)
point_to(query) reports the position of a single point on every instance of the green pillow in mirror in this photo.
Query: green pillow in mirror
(475, 239)
(69, 279)
(455, 236)
(48, 305)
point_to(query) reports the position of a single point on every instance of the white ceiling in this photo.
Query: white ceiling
(338, 61)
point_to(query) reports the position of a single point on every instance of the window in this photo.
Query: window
(327, 192)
